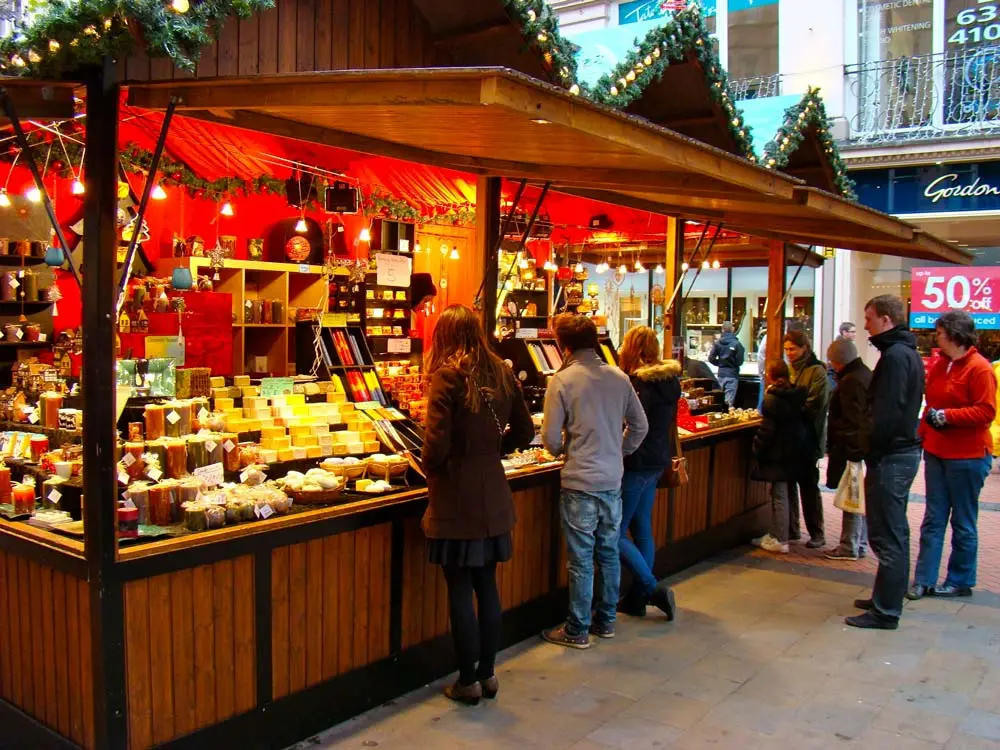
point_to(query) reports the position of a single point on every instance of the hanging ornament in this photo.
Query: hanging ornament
(53, 295)
(217, 259)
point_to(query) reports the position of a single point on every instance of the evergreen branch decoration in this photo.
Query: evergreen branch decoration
(684, 34)
(137, 160)
(809, 113)
(540, 27)
(56, 37)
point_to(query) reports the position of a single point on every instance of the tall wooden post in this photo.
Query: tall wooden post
(775, 301)
(673, 257)
(488, 190)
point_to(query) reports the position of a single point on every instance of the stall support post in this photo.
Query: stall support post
(488, 190)
(100, 241)
(729, 295)
(673, 257)
(775, 301)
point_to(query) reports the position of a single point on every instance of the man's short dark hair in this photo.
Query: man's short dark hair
(727, 327)
(575, 332)
(889, 306)
(958, 327)
(847, 326)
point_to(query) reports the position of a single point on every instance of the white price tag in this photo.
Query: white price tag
(303, 267)
(128, 504)
(203, 414)
(43, 337)
(211, 445)
(211, 475)
(404, 246)
(14, 284)
(154, 474)
(173, 417)
(398, 346)
(19, 333)
(128, 459)
(229, 445)
(123, 478)
(266, 512)
(55, 496)
(256, 511)
(33, 418)
(20, 274)
(244, 475)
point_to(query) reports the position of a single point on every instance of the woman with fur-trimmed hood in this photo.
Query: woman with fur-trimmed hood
(658, 386)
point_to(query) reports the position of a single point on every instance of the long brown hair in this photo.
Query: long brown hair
(459, 343)
(640, 347)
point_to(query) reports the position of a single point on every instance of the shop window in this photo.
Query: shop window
(753, 38)
(887, 32)
(972, 44)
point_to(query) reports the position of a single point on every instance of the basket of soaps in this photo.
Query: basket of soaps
(315, 487)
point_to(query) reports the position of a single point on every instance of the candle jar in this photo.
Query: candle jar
(38, 445)
(138, 493)
(188, 491)
(265, 311)
(29, 286)
(178, 418)
(22, 248)
(135, 431)
(161, 497)
(197, 404)
(12, 332)
(24, 499)
(51, 404)
(5, 485)
(128, 523)
(155, 420)
(176, 459)
(277, 311)
(230, 443)
(8, 287)
(136, 466)
(197, 453)
(32, 332)
(157, 449)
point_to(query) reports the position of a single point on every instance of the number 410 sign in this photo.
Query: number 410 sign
(937, 290)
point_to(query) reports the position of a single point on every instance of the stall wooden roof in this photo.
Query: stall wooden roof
(35, 100)
(495, 121)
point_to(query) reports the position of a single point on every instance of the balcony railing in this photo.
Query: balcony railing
(756, 87)
(946, 95)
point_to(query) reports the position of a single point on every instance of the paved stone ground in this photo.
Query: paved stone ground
(758, 657)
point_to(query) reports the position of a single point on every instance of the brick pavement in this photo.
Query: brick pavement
(989, 534)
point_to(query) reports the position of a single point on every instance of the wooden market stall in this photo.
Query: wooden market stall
(259, 634)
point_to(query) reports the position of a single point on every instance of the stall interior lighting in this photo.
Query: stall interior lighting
(659, 269)
(622, 269)
(639, 267)
(716, 265)
(300, 226)
(227, 209)
(4, 199)
(705, 265)
(603, 267)
(453, 255)
(34, 195)
(365, 236)
(78, 188)
(158, 193)
(685, 266)
(578, 268)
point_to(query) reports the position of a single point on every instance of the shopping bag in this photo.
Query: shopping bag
(850, 496)
(676, 474)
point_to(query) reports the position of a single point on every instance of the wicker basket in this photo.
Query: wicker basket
(386, 470)
(315, 497)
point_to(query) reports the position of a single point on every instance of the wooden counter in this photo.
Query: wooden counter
(261, 634)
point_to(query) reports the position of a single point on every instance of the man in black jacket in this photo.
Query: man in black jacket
(845, 437)
(892, 458)
(728, 355)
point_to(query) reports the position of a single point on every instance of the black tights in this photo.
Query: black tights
(474, 639)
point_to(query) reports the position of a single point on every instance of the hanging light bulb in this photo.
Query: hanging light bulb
(716, 265)
(522, 263)
(416, 247)
(622, 269)
(34, 195)
(453, 255)
(300, 226)
(77, 187)
(638, 266)
(602, 267)
(705, 265)
(365, 236)
(4, 199)
(659, 269)
(158, 194)
(685, 266)
(578, 268)
(227, 209)
(180, 6)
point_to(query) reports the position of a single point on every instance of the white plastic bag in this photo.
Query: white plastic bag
(850, 496)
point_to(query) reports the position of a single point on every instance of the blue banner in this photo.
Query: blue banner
(931, 189)
(634, 11)
(983, 321)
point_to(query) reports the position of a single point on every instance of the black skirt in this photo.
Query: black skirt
(470, 553)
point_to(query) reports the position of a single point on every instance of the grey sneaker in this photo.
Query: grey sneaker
(816, 543)
(602, 630)
(841, 554)
(560, 637)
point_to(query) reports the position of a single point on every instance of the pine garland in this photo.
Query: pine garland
(540, 27)
(684, 34)
(808, 114)
(59, 36)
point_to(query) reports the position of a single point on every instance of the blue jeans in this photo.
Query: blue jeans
(730, 384)
(590, 523)
(638, 553)
(887, 492)
(760, 395)
(953, 487)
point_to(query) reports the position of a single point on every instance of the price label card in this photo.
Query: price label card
(304, 267)
(128, 459)
(128, 505)
(404, 246)
(154, 474)
(276, 387)
(55, 496)
(43, 337)
(123, 478)
(173, 417)
(203, 414)
(266, 512)
(526, 333)
(14, 284)
(211, 475)
(228, 446)
(166, 347)
(393, 270)
(211, 445)
(33, 418)
(399, 346)
(244, 475)
(19, 333)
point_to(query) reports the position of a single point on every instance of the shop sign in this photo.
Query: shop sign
(166, 347)
(635, 11)
(937, 290)
(398, 346)
(333, 320)
(931, 189)
(270, 387)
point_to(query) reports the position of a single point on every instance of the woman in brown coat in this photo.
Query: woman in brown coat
(472, 398)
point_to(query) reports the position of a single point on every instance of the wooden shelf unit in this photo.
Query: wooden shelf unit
(296, 286)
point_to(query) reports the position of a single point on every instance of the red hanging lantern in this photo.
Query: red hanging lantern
(565, 273)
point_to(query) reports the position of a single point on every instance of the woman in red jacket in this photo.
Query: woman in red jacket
(961, 405)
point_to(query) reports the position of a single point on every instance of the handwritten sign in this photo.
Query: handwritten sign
(526, 333)
(333, 320)
(211, 475)
(165, 347)
(393, 270)
(398, 346)
(276, 387)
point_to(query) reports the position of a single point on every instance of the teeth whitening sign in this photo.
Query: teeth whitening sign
(935, 291)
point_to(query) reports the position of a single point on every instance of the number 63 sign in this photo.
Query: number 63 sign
(938, 290)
